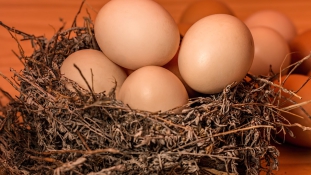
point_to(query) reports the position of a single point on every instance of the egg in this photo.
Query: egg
(183, 28)
(301, 47)
(173, 67)
(293, 83)
(275, 20)
(89, 61)
(202, 8)
(271, 49)
(216, 51)
(136, 33)
(153, 88)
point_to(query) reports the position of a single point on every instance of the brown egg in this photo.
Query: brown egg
(183, 28)
(275, 20)
(136, 33)
(153, 88)
(216, 51)
(270, 49)
(301, 47)
(293, 83)
(173, 67)
(105, 72)
(202, 8)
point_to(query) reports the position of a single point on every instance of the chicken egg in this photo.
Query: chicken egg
(301, 47)
(216, 51)
(153, 88)
(173, 67)
(136, 33)
(270, 49)
(100, 73)
(183, 28)
(294, 83)
(275, 20)
(202, 8)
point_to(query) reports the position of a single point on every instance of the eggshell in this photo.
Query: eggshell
(136, 33)
(105, 72)
(202, 8)
(216, 51)
(173, 67)
(293, 83)
(270, 49)
(275, 20)
(183, 28)
(301, 47)
(153, 88)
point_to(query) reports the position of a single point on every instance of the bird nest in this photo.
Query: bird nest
(49, 129)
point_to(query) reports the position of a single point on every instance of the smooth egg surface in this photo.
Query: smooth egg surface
(202, 8)
(136, 33)
(99, 71)
(271, 49)
(216, 51)
(294, 83)
(153, 88)
(275, 20)
(183, 28)
(173, 67)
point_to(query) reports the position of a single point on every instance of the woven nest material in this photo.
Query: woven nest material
(65, 132)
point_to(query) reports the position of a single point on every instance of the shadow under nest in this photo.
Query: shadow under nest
(65, 132)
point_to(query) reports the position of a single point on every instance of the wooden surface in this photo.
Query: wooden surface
(40, 17)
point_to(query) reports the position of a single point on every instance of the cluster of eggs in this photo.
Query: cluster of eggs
(141, 52)
(140, 37)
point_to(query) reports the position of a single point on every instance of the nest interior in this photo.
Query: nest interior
(49, 129)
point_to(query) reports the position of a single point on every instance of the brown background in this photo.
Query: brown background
(41, 17)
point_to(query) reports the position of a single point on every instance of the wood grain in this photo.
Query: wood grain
(40, 17)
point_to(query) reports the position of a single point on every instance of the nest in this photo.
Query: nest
(49, 129)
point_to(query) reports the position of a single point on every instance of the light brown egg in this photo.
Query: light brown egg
(183, 28)
(275, 20)
(293, 83)
(153, 88)
(270, 49)
(105, 72)
(173, 67)
(136, 33)
(301, 47)
(215, 52)
(202, 8)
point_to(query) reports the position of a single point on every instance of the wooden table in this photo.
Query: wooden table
(40, 17)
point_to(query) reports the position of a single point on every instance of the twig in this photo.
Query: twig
(104, 171)
(279, 86)
(294, 106)
(97, 151)
(243, 129)
(11, 82)
(74, 23)
(88, 85)
(83, 141)
(25, 35)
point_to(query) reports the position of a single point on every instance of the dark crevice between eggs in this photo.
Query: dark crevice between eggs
(48, 129)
